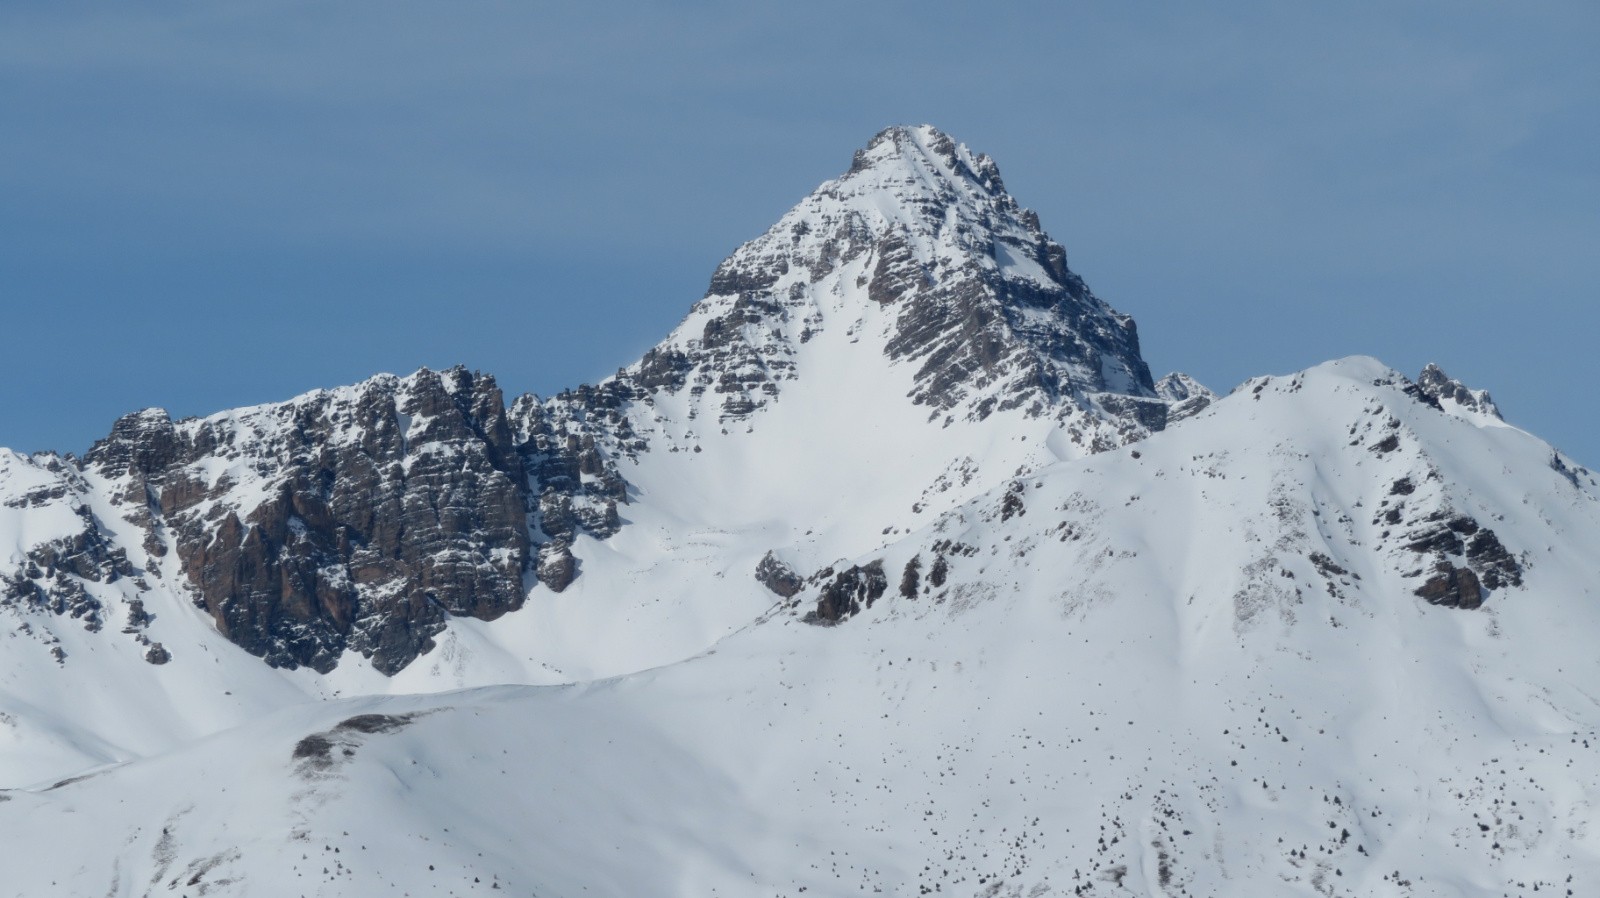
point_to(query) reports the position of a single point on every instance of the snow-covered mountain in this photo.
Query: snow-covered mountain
(890, 570)
(904, 339)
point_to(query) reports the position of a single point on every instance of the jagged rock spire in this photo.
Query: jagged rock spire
(1459, 397)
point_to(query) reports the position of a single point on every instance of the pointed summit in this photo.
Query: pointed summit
(927, 151)
(920, 254)
(917, 182)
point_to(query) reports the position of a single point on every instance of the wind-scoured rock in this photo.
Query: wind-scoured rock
(352, 519)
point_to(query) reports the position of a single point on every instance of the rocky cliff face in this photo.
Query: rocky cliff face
(358, 519)
(1445, 389)
(351, 519)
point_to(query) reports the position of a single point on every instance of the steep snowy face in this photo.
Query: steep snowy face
(969, 292)
(54, 557)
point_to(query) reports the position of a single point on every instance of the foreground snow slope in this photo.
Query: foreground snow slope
(1193, 666)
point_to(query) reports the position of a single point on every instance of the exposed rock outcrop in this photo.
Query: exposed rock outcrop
(778, 576)
(351, 519)
(849, 592)
(72, 553)
(1452, 587)
(1468, 560)
(557, 568)
(1188, 396)
(911, 578)
(1455, 395)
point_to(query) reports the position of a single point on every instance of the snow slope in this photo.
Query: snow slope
(1133, 679)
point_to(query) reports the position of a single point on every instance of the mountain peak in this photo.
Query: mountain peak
(919, 251)
(926, 150)
(920, 179)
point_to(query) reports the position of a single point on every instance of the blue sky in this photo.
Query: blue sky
(208, 205)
